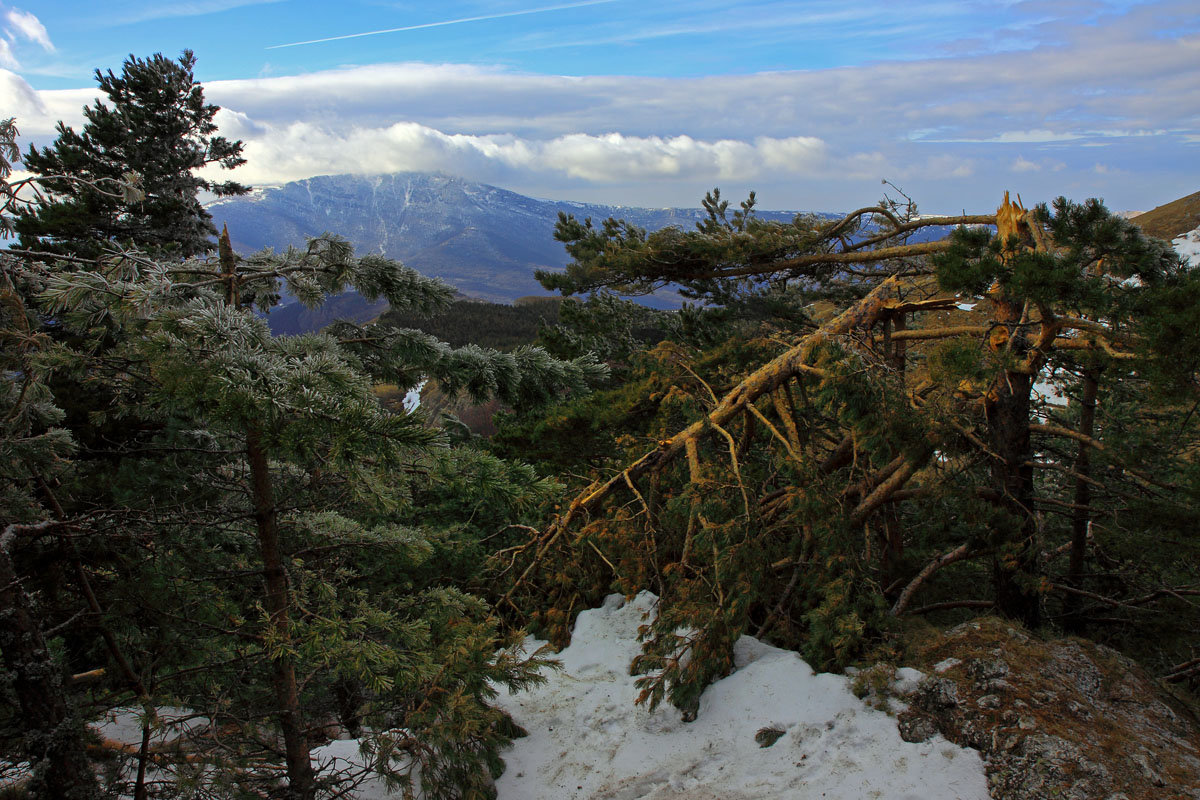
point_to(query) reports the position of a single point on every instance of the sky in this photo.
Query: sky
(810, 104)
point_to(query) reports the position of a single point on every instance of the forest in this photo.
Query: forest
(848, 432)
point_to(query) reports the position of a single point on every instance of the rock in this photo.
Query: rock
(1142, 759)
(994, 685)
(936, 694)
(917, 728)
(1064, 718)
(907, 680)
(982, 670)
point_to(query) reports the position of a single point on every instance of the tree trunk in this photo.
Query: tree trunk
(1083, 493)
(1015, 566)
(54, 737)
(1015, 569)
(893, 533)
(301, 779)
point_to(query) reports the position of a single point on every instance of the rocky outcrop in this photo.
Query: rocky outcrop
(1065, 718)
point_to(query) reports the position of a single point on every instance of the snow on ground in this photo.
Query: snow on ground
(587, 740)
(1188, 246)
(124, 725)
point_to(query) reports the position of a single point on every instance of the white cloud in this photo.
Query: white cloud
(27, 26)
(303, 149)
(1041, 136)
(7, 59)
(160, 10)
(19, 99)
(951, 128)
(38, 112)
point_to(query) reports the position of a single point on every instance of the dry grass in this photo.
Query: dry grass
(1173, 219)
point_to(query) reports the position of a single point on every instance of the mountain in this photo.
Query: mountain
(483, 240)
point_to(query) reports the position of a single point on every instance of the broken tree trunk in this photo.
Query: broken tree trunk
(890, 294)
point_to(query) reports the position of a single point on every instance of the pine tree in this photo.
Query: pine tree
(265, 543)
(251, 455)
(49, 726)
(144, 145)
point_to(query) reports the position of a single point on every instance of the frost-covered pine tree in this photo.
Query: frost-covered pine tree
(266, 543)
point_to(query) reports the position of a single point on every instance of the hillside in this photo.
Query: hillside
(1172, 219)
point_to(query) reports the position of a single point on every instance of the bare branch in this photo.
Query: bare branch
(963, 551)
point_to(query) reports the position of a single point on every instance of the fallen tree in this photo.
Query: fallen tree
(901, 429)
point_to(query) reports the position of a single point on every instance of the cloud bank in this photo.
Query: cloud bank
(956, 130)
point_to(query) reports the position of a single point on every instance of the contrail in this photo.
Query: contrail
(447, 22)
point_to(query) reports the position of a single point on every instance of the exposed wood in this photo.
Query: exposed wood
(866, 312)
(957, 554)
(91, 676)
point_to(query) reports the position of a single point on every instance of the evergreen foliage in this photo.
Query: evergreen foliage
(128, 177)
(261, 541)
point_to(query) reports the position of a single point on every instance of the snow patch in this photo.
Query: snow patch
(412, 399)
(124, 725)
(1188, 246)
(588, 741)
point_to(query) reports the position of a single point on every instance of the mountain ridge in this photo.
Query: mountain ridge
(483, 240)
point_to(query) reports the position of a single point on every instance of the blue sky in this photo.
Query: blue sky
(649, 103)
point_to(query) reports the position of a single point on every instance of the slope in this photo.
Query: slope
(1172, 219)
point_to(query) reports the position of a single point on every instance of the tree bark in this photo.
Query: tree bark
(301, 779)
(54, 737)
(1083, 493)
(1014, 571)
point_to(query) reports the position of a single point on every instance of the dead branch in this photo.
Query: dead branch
(1056, 430)
(830, 259)
(882, 492)
(963, 551)
(866, 312)
(952, 604)
(1134, 602)
(753, 409)
(924, 222)
(1184, 670)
